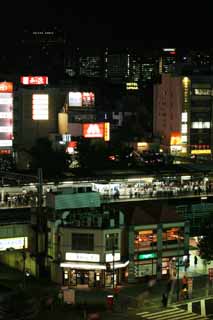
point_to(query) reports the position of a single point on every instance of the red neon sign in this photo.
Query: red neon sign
(34, 81)
(96, 130)
(6, 86)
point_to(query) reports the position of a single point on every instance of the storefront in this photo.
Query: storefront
(93, 275)
(88, 270)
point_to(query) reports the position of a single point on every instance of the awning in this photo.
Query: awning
(92, 266)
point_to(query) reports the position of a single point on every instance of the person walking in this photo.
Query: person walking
(164, 300)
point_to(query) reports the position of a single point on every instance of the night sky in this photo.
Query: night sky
(131, 23)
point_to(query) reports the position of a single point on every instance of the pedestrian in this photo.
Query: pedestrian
(195, 260)
(164, 300)
(169, 286)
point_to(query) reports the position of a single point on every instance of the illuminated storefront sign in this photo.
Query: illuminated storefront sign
(6, 116)
(13, 243)
(6, 143)
(131, 86)
(204, 151)
(81, 99)
(175, 138)
(88, 99)
(84, 257)
(144, 256)
(109, 257)
(75, 99)
(34, 80)
(97, 130)
(40, 107)
(6, 87)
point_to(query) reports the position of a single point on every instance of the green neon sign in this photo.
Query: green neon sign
(143, 256)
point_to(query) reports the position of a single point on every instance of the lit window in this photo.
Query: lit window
(200, 125)
(184, 128)
(203, 92)
(184, 139)
(184, 117)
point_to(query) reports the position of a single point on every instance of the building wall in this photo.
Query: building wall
(168, 101)
(27, 130)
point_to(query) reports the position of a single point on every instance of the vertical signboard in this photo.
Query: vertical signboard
(6, 117)
(40, 107)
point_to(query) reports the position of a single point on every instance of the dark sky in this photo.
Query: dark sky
(139, 23)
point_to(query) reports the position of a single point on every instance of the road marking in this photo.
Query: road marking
(171, 314)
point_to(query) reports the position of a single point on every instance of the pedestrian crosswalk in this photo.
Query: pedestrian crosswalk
(171, 314)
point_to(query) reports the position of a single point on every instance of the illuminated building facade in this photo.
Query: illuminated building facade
(167, 60)
(183, 114)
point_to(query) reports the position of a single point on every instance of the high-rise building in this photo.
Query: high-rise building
(90, 66)
(167, 60)
(148, 69)
(183, 114)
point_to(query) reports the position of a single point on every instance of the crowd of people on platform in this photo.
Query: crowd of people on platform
(157, 189)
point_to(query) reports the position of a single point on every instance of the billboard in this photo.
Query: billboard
(40, 106)
(75, 99)
(6, 87)
(34, 80)
(6, 117)
(81, 99)
(97, 130)
(88, 99)
(175, 138)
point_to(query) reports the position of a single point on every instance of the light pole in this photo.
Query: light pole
(113, 264)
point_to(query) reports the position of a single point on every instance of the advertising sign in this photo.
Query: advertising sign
(88, 257)
(88, 99)
(40, 107)
(15, 243)
(6, 87)
(6, 116)
(81, 99)
(97, 130)
(175, 138)
(34, 80)
(75, 99)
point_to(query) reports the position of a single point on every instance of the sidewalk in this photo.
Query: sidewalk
(132, 298)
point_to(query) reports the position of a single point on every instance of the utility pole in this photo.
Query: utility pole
(40, 222)
(113, 263)
(178, 270)
(24, 264)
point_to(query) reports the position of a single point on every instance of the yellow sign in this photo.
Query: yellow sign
(131, 86)
(204, 151)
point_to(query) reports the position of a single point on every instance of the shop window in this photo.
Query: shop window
(82, 241)
(173, 236)
(145, 239)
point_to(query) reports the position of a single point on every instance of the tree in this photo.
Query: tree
(93, 153)
(53, 162)
(205, 244)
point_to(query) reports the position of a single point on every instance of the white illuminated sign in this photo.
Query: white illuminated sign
(6, 143)
(40, 106)
(8, 129)
(88, 257)
(6, 115)
(75, 99)
(109, 257)
(13, 243)
(7, 101)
